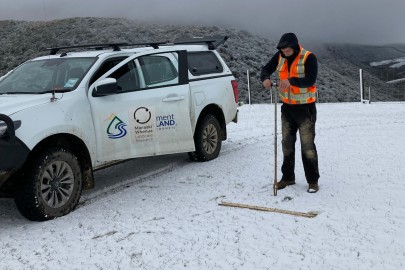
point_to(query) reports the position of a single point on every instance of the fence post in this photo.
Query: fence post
(362, 100)
(361, 85)
(248, 84)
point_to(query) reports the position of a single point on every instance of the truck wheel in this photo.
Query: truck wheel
(52, 185)
(207, 138)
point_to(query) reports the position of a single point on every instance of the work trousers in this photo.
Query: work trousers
(299, 118)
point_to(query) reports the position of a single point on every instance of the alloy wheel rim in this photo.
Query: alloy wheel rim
(57, 184)
(210, 139)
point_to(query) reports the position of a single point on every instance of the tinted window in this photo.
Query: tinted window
(157, 70)
(106, 66)
(200, 63)
(127, 77)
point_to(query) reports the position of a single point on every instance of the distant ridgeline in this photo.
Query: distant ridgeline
(338, 78)
(383, 67)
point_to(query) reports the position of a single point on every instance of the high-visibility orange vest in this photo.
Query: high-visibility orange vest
(294, 94)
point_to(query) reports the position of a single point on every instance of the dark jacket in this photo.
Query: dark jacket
(311, 64)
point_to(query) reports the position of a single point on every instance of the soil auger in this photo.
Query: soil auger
(275, 91)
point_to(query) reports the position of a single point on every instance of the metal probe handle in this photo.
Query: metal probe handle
(275, 90)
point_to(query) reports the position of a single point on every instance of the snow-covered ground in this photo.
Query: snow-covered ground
(394, 63)
(163, 212)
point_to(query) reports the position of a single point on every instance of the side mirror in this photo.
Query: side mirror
(8, 126)
(105, 87)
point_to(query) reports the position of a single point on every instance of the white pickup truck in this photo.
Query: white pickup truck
(68, 113)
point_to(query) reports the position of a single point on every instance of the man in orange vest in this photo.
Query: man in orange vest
(297, 70)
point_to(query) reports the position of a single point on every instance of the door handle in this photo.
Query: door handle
(173, 98)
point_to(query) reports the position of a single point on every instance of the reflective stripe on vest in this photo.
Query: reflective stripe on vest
(281, 61)
(300, 98)
(296, 95)
(301, 63)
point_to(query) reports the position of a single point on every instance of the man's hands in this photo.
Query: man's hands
(267, 84)
(283, 85)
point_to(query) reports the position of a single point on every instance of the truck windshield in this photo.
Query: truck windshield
(41, 76)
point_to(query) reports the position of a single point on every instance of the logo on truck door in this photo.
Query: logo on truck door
(146, 125)
(143, 124)
(142, 115)
(164, 122)
(116, 128)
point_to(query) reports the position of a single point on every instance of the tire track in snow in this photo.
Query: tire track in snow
(92, 196)
(115, 188)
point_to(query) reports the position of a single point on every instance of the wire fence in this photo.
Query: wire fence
(389, 87)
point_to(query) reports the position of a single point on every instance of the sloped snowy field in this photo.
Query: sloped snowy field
(395, 63)
(163, 213)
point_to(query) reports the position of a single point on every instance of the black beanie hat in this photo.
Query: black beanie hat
(288, 40)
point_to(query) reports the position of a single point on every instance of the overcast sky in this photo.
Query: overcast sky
(355, 21)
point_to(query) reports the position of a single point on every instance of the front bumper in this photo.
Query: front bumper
(13, 152)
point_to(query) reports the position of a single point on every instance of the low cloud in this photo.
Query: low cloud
(361, 21)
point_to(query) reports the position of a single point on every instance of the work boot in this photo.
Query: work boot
(313, 188)
(282, 184)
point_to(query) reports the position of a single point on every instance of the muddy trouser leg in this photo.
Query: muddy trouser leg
(289, 133)
(308, 148)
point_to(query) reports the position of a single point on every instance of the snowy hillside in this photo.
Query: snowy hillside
(337, 81)
(163, 212)
(347, 59)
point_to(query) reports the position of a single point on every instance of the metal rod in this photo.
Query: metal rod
(274, 86)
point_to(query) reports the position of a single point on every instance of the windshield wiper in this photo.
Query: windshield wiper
(63, 90)
(13, 93)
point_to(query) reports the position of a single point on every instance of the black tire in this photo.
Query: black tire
(52, 185)
(207, 139)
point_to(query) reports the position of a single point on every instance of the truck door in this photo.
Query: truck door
(150, 112)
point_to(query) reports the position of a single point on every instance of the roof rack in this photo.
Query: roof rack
(212, 42)
(114, 46)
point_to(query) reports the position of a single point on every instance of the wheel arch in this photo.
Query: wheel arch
(78, 148)
(215, 110)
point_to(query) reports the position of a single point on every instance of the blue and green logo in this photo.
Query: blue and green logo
(116, 128)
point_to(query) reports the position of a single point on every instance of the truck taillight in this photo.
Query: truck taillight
(235, 90)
